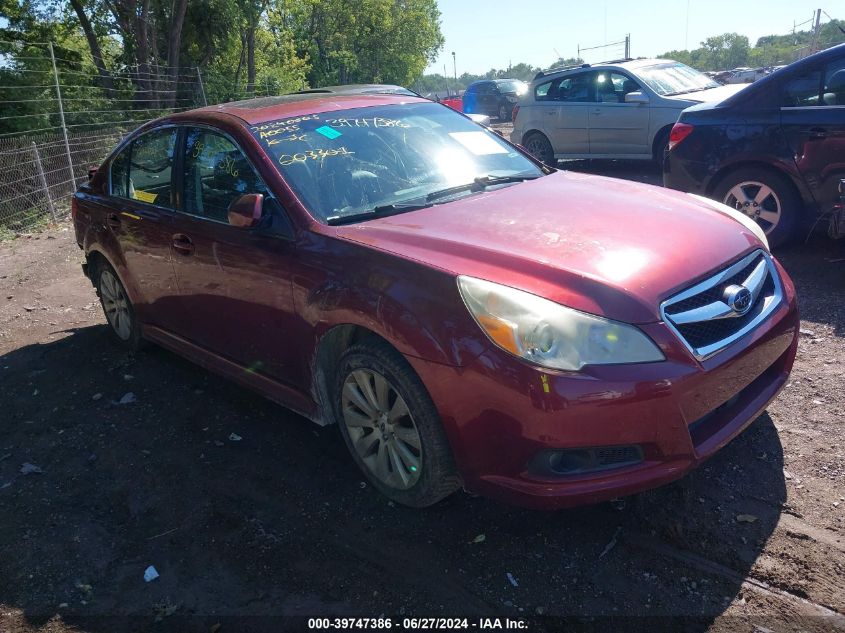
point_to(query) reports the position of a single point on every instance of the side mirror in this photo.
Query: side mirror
(636, 97)
(245, 212)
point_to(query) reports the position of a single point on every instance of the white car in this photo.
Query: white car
(622, 109)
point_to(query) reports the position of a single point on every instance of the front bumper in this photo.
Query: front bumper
(680, 411)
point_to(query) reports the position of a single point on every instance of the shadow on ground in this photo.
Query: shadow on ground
(279, 522)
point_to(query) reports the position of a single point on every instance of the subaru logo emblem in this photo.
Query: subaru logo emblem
(738, 298)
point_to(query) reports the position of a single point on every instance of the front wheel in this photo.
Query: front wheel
(764, 196)
(391, 427)
(539, 147)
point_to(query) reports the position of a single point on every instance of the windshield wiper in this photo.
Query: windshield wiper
(684, 92)
(385, 210)
(381, 211)
(478, 184)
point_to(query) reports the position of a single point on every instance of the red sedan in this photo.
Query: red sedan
(468, 316)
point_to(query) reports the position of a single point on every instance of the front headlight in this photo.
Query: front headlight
(740, 217)
(549, 334)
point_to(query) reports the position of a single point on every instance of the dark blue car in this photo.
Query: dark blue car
(775, 151)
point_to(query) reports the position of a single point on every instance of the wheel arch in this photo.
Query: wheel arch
(534, 130)
(96, 253)
(666, 129)
(331, 345)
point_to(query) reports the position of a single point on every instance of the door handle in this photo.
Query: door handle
(183, 244)
(596, 111)
(113, 220)
(817, 132)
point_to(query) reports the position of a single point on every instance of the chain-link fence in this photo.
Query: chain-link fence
(59, 116)
(37, 178)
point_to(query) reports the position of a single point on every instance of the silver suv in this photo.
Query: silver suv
(619, 109)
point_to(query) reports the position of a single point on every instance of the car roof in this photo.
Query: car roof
(629, 64)
(263, 109)
(359, 89)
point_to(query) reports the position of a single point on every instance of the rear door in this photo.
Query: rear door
(813, 121)
(139, 213)
(572, 97)
(235, 284)
(616, 127)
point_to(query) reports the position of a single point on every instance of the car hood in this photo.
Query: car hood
(711, 95)
(601, 245)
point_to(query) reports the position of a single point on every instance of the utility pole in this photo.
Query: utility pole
(816, 27)
(62, 119)
(446, 79)
(455, 70)
(627, 46)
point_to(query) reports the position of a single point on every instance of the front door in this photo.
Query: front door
(235, 288)
(617, 127)
(813, 122)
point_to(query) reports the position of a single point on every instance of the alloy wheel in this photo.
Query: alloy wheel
(381, 429)
(758, 201)
(115, 305)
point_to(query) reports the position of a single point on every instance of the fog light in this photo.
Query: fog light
(579, 461)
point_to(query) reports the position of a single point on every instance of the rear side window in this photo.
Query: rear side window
(149, 166)
(120, 174)
(216, 174)
(803, 90)
(576, 88)
(541, 92)
(833, 90)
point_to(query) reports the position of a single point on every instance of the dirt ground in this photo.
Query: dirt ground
(278, 522)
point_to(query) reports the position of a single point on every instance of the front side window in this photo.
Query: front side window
(349, 162)
(611, 87)
(150, 167)
(216, 174)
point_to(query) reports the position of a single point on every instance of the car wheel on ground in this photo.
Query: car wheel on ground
(539, 147)
(766, 197)
(117, 307)
(391, 426)
(504, 113)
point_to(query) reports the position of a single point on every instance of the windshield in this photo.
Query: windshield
(674, 78)
(344, 163)
(519, 87)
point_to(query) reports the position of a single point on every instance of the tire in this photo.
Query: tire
(661, 143)
(406, 457)
(504, 113)
(539, 147)
(117, 308)
(765, 196)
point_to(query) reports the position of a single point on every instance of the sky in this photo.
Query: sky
(487, 34)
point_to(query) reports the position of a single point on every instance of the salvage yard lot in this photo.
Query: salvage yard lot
(249, 511)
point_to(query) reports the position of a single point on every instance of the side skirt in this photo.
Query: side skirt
(271, 389)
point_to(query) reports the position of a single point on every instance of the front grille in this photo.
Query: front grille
(702, 317)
